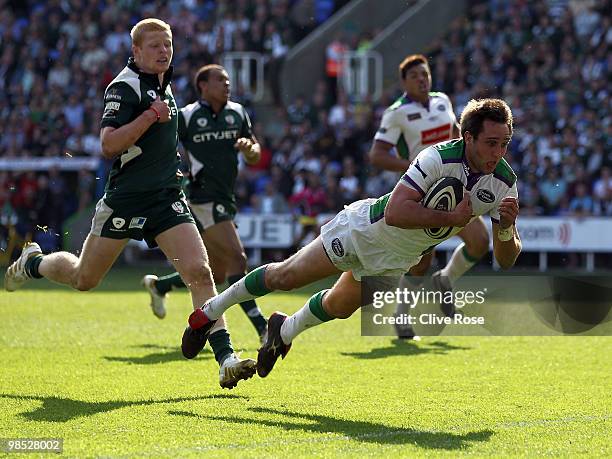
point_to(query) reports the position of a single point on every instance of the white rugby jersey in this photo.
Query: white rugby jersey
(446, 159)
(412, 127)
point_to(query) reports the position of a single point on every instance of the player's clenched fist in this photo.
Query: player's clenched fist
(463, 212)
(508, 211)
(244, 145)
(249, 149)
(161, 109)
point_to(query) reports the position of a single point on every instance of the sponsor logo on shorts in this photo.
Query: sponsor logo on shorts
(441, 108)
(485, 196)
(220, 209)
(152, 94)
(178, 207)
(382, 130)
(137, 222)
(202, 122)
(414, 116)
(118, 222)
(337, 247)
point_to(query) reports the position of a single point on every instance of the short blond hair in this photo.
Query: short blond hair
(148, 25)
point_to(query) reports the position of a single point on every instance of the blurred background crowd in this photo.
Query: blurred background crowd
(551, 60)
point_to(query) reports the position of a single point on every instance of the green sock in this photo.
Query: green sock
(315, 304)
(254, 282)
(166, 283)
(250, 308)
(31, 266)
(311, 315)
(221, 345)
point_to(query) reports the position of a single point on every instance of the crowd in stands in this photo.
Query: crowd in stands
(552, 62)
(550, 59)
(57, 57)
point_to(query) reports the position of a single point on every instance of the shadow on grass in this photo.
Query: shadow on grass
(364, 431)
(59, 409)
(166, 354)
(406, 347)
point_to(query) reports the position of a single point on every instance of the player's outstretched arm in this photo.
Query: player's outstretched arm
(506, 240)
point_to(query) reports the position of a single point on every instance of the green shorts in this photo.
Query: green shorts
(141, 217)
(210, 213)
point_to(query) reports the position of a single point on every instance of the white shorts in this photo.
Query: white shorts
(350, 242)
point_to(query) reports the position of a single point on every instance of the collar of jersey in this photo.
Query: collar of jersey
(204, 103)
(408, 100)
(472, 177)
(151, 77)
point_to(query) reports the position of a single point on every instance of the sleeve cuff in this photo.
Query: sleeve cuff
(110, 123)
(408, 181)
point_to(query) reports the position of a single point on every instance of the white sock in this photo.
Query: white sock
(249, 287)
(311, 315)
(234, 294)
(458, 265)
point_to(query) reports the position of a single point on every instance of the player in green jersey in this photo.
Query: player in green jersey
(143, 197)
(214, 131)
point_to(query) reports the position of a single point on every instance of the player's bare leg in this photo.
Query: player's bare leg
(183, 247)
(159, 287)
(86, 271)
(217, 267)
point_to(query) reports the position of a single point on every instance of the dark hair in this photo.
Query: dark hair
(204, 73)
(478, 110)
(412, 61)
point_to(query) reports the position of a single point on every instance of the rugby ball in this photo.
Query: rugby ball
(443, 195)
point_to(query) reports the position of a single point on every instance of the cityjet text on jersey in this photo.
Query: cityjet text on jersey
(216, 135)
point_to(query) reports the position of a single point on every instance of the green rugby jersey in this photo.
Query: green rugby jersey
(209, 140)
(152, 162)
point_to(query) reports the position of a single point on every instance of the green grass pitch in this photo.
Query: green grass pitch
(100, 371)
